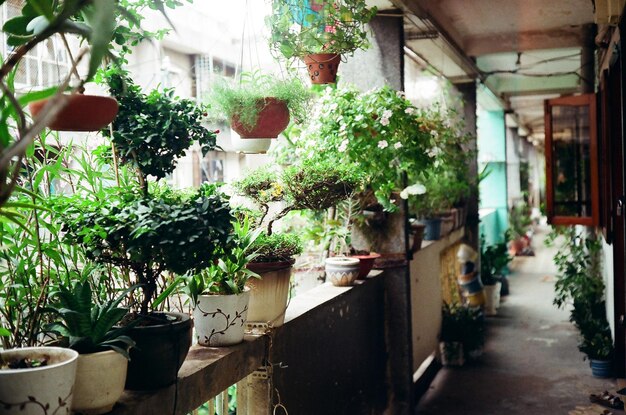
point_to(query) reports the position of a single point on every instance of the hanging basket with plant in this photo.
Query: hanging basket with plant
(319, 32)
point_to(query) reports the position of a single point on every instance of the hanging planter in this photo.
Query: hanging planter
(81, 113)
(271, 120)
(249, 145)
(322, 67)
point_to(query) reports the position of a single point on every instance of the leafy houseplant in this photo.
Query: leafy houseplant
(461, 326)
(219, 293)
(152, 130)
(519, 224)
(319, 31)
(89, 329)
(580, 283)
(260, 106)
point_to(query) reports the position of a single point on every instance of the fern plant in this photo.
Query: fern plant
(88, 327)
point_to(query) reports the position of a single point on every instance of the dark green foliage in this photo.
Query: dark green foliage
(152, 131)
(320, 185)
(580, 283)
(85, 326)
(150, 234)
(276, 247)
(519, 220)
(493, 258)
(463, 324)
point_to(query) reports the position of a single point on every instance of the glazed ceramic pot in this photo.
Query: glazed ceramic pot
(220, 319)
(492, 298)
(432, 229)
(100, 379)
(342, 271)
(249, 145)
(29, 391)
(600, 368)
(269, 294)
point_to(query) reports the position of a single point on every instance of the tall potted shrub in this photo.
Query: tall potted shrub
(319, 32)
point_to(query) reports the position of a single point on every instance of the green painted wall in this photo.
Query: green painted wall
(493, 191)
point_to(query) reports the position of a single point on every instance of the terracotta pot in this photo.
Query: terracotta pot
(82, 113)
(29, 391)
(366, 263)
(447, 224)
(269, 294)
(271, 121)
(220, 319)
(159, 353)
(342, 271)
(100, 379)
(516, 246)
(322, 67)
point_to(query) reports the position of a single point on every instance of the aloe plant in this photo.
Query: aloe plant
(88, 327)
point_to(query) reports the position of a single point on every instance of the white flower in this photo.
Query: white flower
(343, 127)
(384, 121)
(387, 113)
(359, 117)
(400, 94)
(343, 146)
(383, 144)
(410, 111)
(397, 145)
(414, 189)
(333, 106)
(434, 133)
(433, 152)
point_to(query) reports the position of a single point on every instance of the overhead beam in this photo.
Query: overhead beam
(524, 41)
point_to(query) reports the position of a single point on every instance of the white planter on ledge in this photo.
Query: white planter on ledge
(40, 390)
(220, 319)
(100, 379)
(342, 271)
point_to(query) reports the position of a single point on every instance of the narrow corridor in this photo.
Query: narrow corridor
(531, 364)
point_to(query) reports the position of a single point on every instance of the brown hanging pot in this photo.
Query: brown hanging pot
(322, 67)
(81, 113)
(271, 121)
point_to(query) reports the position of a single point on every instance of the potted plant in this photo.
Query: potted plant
(273, 263)
(89, 329)
(36, 380)
(259, 107)
(147, 236)
(342, 271)
(219, 293)
(319, 32)
(519, 224)
(489, 270)
(462, 334)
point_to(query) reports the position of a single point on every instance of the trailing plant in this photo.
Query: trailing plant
(171, 231)
(245, 98)
(151, 131)
(580, 284)
(278, 247)
(378, 131)
(303, 27)
(86, 326)
(229, 275)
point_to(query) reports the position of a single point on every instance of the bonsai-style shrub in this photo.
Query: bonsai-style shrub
(150, 234)
(304, 27)
(242, 102)
(151, 131)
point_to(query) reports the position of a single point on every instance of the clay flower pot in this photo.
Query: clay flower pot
(271, 121)
(322, 67)
(81, 113)
(366, 263)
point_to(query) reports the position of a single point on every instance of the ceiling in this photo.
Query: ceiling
(524, 51)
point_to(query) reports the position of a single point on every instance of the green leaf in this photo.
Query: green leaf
(17, 26)
(101, 18)
(36, 95)
(43, 7)
(166, 292)
(4, 332)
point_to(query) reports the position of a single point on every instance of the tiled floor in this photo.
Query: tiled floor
(531, 365)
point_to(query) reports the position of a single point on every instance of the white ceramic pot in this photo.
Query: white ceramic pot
(29, 391)
(269, 294)
(100, 379)
(342, 271)
(249, 145)
(492, 298)
(220, 319)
